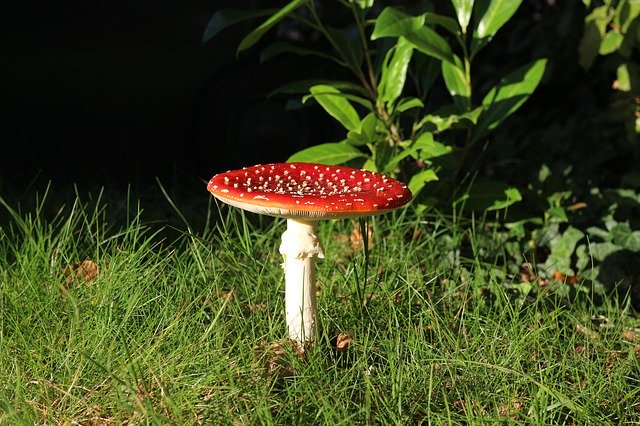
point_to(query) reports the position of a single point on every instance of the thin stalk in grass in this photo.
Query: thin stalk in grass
(245, 237)
(364, 230)
(361, 284)
(562, 398)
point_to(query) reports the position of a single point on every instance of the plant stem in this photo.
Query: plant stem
(356, 71)
(367, 54)
(468, 143)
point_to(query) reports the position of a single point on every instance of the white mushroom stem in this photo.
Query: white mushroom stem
(300, 247)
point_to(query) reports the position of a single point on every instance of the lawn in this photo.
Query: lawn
(112, 316)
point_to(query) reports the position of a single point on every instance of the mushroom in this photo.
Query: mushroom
(305, 193)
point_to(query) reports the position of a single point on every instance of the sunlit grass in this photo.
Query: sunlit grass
(176, 326)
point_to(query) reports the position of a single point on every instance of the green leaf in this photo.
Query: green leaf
(430, 148)
(282, 47)
(382, 154)
(463, 12)
(446, 118)
(370, 164)
(423, 148)
(327, 153)
(557, 214)
(406, 104)
(357, 99)
(589, 46)
(365, 4)
(600, 251)
(562, 249)
(493, 14)
(335, 103)
(393, 162)
(625, 237)
(508, 95)
(600, 233)
(628, 77)
(626, 13)
(594, 29)
(489, 195)
(455, 79)
(409, 149)
(623, 80)
(393, 23)
(611, 42)
(445, 22)
(583, 258)
(518, 229)
(254, 36)
(394, 71)
(430, 43)
(512, 196)
(365, 133)
(226, 17)
(420, 179)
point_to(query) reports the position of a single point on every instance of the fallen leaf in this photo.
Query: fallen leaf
(343, 341)
(274, 359)
(526, 273)
(586, 331)
(577, 206)
(85, 271)
(511, 409)
(256, 307)
(559, 276)
(225, 295)
(630, 336)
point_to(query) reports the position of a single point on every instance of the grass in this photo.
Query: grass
(181, 327)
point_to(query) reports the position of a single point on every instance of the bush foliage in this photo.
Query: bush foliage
(524, 113)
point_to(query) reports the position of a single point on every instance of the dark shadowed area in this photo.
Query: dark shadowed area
(124, 92)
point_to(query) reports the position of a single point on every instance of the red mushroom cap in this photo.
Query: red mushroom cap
(309, 191)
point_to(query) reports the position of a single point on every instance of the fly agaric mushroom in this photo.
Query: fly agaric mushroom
(305, 193)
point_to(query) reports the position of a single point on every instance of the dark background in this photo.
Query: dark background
(109, 94)
(119, 93)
